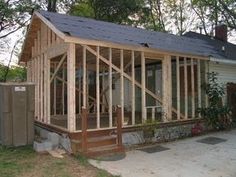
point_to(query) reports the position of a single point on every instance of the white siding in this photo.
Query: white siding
(227, 72)
(116, 92)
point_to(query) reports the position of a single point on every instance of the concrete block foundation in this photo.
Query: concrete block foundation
(43, 146)
(51, 140)
(54, 139)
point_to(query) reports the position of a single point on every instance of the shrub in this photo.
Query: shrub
(216, 114)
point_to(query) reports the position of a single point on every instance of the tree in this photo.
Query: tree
(228, 11)
(118, 11)
(14, 14)
(52, 4)
(82, 8)
(213, 12)
(155, 14)
(16, 73)
(180, 15)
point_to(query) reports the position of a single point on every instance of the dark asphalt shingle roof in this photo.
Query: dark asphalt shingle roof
(86, 28)
(228, 53)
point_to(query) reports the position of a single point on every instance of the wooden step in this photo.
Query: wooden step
(95, 142)
(93, 133)
(99, 133)
(101, 141)
(104, 150)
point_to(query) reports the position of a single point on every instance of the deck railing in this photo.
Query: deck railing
(154, 109)
(119, 126)
(84, 128)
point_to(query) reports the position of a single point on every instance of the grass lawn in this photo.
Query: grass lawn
(24, 162)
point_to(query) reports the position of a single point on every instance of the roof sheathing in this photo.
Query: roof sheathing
(95, 30)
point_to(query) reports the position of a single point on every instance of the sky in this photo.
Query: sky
(5, 53)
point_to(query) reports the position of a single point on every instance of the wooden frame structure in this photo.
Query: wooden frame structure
(78, 78)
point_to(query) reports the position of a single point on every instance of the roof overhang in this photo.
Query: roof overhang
(79, 40)
(223, 61)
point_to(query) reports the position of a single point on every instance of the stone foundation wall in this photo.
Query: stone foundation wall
(161, 134)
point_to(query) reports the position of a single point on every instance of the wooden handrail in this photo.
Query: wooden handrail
(119, 126)
(84, 128)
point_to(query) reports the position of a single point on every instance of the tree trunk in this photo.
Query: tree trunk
(52, 4)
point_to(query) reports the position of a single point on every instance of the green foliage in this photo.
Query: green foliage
(152, 15)
(117, 11)
(82, 159)
(216, 114)
(15, 74)
(2, 72)
(82, 9)
(24, 161)
(148, 128)
(9, 160)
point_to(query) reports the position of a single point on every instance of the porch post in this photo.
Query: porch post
(119, 126)
(185, 88)
(84, 79)
(206, 80)
(143, 90)
(193, 88)
(54, 91)
(133, 88)
(98, 87)
(122, 85)
(199, 85)
(71, 119)
(41, 87)
(178, 87)
(103, 86)
(110, 88)
(167, 88)
(38, 87)
(84, 128)
(48, 88)
(63, 89)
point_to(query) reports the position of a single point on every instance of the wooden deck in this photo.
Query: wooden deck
(100, 142)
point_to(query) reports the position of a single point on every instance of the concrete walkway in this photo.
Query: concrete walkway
(185, 158)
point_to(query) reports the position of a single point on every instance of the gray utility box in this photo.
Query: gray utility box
(16, 114)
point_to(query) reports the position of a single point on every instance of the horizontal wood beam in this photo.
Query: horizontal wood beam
(53, 50)
(56, 50)
(129, 47)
